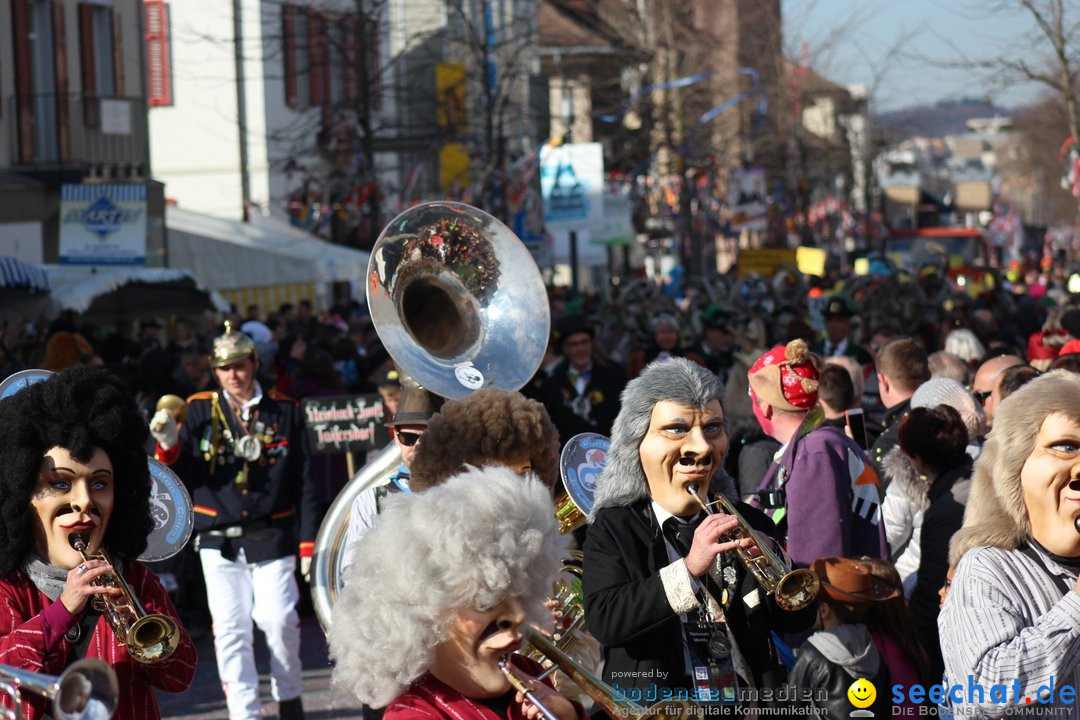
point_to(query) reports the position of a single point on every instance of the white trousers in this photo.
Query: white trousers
(240, 592)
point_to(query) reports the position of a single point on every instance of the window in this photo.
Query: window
(100, 58)
(97, 50)
(294, 33)
(158, 54)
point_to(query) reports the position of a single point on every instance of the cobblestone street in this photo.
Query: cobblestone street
(204, 700)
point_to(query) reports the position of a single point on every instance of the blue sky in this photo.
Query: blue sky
(848, 41)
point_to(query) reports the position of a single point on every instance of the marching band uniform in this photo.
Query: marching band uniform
(256, 506)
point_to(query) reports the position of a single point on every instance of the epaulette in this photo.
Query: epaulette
(204, 395)
(275, 394)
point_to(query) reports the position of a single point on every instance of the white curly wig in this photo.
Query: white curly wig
(482, 536)
(676, 379)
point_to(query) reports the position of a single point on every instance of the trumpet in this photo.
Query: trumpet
(148, 637)
(87, 690)
(516, 682)
(601, 693)
(792, 589)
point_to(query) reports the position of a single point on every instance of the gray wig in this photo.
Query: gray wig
(996, 514)
(676, 379)
(482, 536)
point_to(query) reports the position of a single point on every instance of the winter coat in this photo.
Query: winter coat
(905, 502)
(831, 660)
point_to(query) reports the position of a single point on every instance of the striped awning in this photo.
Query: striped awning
(268, 298)
(15, 273)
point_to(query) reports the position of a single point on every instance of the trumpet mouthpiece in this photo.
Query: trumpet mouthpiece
(78, 541)
(692, 489)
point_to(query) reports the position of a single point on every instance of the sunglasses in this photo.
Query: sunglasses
(408, 439)
(982, 395)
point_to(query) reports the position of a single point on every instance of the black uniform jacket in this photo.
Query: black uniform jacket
(601, 397)
(627, 611)
(277, 513)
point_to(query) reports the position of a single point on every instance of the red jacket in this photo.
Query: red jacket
(431, 699)
(29, 623)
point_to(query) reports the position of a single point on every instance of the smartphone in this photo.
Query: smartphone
(857, 425)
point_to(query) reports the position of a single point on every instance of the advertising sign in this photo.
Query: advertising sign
(344, 423)
(747, 197)
(103, 225)
(572, 185)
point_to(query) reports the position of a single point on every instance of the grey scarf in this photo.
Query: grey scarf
(48, 578)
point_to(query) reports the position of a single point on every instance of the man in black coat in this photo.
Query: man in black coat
(582, 393)
(665, 594)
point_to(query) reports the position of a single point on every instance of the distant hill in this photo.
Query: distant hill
(947, 117)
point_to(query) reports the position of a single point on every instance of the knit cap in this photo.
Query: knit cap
(946, 391)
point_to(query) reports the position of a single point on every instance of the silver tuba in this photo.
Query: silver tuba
(459, 304)
(87, 690)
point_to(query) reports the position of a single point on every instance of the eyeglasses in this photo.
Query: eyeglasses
(982, 395)
(408, 439)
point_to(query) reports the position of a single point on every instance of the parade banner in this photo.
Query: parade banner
(345, 423)
(572, 185)
(103, 225)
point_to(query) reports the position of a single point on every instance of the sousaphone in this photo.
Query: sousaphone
(459, 304)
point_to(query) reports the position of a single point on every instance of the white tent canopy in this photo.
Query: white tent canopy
(224, 254)
(113, 293)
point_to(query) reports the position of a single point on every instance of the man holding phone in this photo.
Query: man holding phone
(821, 489)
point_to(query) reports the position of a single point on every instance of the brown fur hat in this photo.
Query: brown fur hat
(996, 515)
(488, 427)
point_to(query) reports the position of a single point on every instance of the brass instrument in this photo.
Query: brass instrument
(519, 685)
(87, 690)
(148, 637)
(792, 589)
(603, 694)
(174, 405)
(459, 304)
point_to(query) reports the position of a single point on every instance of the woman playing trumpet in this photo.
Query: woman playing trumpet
(436, 596)
(73, 468)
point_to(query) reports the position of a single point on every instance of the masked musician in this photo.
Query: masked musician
(73, 463)
(668, 619)
(487, 427)
(436, 596)
(242, 452)
(1011, 621)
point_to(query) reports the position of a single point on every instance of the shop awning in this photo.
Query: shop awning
(228, 254)
(21, 275)
(111, 294)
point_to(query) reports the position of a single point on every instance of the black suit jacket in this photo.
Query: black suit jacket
(627, 611)
(601, 393)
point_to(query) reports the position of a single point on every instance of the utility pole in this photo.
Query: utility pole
(241, 109)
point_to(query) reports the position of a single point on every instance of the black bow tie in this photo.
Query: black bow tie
(681, 532)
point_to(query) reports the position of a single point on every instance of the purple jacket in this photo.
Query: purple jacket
(833, 498)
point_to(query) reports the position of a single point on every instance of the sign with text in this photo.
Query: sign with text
(572, 185)
(103, 224)
(344, 423)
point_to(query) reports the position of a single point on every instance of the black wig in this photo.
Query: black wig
(79, 409)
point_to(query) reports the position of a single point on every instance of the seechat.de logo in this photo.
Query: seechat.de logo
(862, 694)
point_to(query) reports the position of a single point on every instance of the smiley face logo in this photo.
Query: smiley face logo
(862, 693)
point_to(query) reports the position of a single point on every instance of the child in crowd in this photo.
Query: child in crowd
(892, 630)
(842, 651)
